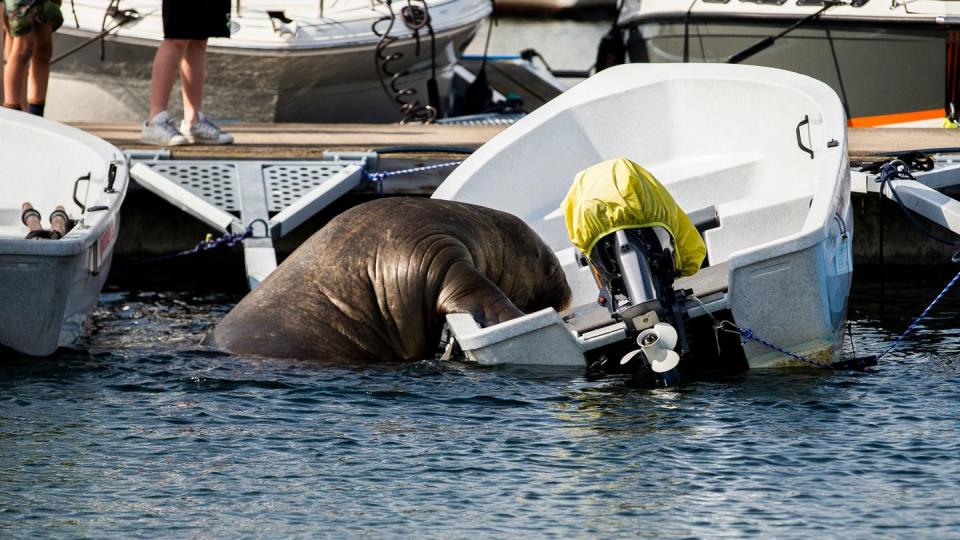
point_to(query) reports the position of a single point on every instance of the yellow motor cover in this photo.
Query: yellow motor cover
(619, 194)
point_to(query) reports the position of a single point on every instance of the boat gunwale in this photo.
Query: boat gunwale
(812, 232)
(78, 240)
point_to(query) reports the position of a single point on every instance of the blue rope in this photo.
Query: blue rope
(378, 176)
(747, 334)
(856, 363)
(228, 239)
(922, 315)
(898, 170)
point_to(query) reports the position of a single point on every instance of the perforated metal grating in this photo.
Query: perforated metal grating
(214, 182)
(287, 183)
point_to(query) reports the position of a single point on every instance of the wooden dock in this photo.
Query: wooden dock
(152, 227)
(305, 141)
(286, 141)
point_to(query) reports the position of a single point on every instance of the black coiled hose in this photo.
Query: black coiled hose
(416, 17)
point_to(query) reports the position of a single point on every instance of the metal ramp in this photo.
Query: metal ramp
(234, 196)
(920, 194)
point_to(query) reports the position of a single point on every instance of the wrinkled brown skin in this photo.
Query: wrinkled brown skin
(378, 280)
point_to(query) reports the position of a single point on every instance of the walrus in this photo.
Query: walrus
(378, 280)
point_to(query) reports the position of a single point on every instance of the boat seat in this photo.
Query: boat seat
(707, 281)
(10, 225)
(705, 219)
(587, 317)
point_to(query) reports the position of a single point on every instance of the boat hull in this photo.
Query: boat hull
(763, 150)
(335, 84)
(55, 295)
(884, 74)
(48, 287)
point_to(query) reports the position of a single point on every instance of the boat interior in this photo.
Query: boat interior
(74, 173)
(753, 176)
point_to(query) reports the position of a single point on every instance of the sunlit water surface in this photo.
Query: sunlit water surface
(140, 433)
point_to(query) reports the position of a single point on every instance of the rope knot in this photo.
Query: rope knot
(374, 176)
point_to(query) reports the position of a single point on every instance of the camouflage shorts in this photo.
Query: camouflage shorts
(26, 16)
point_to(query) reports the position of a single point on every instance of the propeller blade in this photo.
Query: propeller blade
(627, 358)
(666, 363)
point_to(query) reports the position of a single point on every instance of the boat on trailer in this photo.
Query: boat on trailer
(892, 63)
(49, 286)
(756, 158)
(294, 60)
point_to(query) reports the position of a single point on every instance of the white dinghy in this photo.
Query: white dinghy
(757, 159)
(48, 286)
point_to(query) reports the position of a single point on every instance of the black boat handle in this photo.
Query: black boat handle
(804, 122)
(111, 178)
(76, 184)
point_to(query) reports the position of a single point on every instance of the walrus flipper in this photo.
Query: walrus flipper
(466, 290)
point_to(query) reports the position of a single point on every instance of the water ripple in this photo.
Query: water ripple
(140, 433)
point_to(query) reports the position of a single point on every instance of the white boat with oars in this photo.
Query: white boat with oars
(296, 60)
(60, 196)
(708, 203)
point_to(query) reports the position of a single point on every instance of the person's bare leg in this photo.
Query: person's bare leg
(40, 65)
(15, 72)
(166, 65)
(193, 71)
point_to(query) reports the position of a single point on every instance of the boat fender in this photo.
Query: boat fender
(611, 51)
(478, 97)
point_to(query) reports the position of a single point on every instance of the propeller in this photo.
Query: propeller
(657, 344)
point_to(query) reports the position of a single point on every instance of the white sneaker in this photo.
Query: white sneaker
(162, 131)
(203, 131)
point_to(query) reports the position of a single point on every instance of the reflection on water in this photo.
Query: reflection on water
(141, 433)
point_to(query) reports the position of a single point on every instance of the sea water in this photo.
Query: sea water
(141, 433)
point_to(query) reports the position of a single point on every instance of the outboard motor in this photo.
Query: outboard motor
(635, 270)
(637, 241)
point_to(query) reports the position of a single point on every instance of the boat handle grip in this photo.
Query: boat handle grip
(804, 122)
(83, 207)
(111, 178)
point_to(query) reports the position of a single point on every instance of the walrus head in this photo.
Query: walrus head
(551, 290)
(537, 280)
